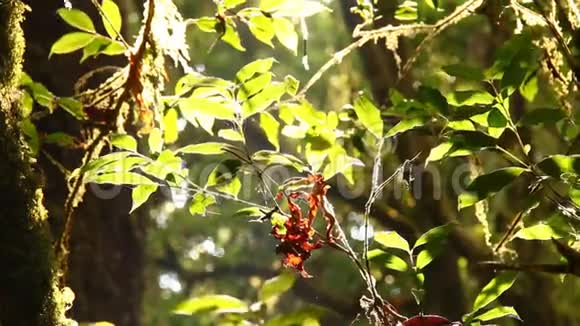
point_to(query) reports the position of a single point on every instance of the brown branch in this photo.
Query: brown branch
(131, 87)
(539, 268)
(572, 267)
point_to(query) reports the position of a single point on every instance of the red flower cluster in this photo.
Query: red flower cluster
(297, 242)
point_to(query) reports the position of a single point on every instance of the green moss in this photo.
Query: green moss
(28, 291)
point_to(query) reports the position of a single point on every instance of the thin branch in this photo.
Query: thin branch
(96, 145)
(394, 32)
(541, 268)
(106, 18)
(460, 13)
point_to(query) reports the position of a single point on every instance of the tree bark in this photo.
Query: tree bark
(28, 292)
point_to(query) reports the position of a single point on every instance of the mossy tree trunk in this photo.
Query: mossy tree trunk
(28, 292)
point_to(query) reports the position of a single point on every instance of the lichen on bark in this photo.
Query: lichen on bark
(28, 292)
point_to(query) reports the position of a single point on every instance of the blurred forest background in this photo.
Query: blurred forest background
(134, 269)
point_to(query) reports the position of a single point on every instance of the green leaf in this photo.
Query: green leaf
(271, 128)
(376, 253)
(187, 82)
(231, 134)
(72, 106)
(521, 69)
(508, 53)
(392, 239)
(207, 303)
(255, 67)
(206, 24)
(426, 256)
(275, 158)
(272, 5)
(254, 86)
(295, 132)
(557, 166)
(262, 28)
(471, 140)
(140, 195)
(495, 121)
(275, 286)
(32, 139)
(465, 72)
(60, 138)
(539, 231)
(229, 4)
(203, 148)
(170, 128)
(155, 141)
(112, 19)
(378, 256)
(191, 106)
(261, 101)
(286, 34)
(433, 100)
(433, 4)
(396, 263)
(338, 162)
(200, 202)
(77, 18)
(436, 234)
(95, 166)
(498, 312)
(102, 45)
(461, 125)
(529, 88)
(120, 178)
(292, 85)
(26, 104)
(494, 289)
(231, 35)
(114, 48)
(487, 185)
(248, 212)
(303, 112)
(469, 98)
(94, 48)
(439, 152)
(165, 164)
(224, 172)
(71, 42)
(369, 115)
(405, 125)
(231, 187)
(114, 163)
(407, 11)
(122, 141)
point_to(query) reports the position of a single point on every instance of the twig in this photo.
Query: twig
(456, 16)
(102, 13)
(390, 31)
